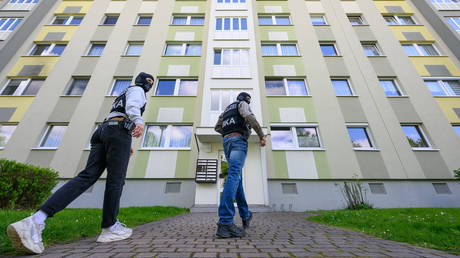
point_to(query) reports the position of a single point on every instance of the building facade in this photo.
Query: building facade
(345, 90)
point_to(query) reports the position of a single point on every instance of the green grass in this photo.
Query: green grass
(73, 224)
(430, 228)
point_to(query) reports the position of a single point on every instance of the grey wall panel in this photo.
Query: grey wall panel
(414, 36)
(54, 36)
(6, 114)
(83, 160)
(64, 109)
(324, 33)
(40, 158)
(372, 164)
(86, 66)
(394, 9)
(433, 164)
(438, 70)
(404, 110)
(138, 33)
(381, 66)
(72, 9)
(352, 110)
(336, 66)
(364, 33)
(102, 33)
(457, 112)
(126, 66)
(105, 108)
(31, 70)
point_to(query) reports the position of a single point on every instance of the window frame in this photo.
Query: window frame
(274, 23)
(279, 49)
(286, 87)
(28, 82)
(71, 83)
(231, 58)
(337, 53)
(349, 86)
(12, 26)
(143, 16)
(454, 126)
(452, 19)
(115, 79)
(293, 130)
(51, 47)
(370, 138)
(106, 17)
(396, 84)
(7, 124)
(184, 47)
(374, 45)
(68, 21)
(231, 23)
(125, 53)
(441, 83)
(421, 133)
(91, 46)
(359, 17)
(417, 48)
(176, 87)
(168, 137)
(397, 19)
(189, 19)
(321, 16)
(46, 135)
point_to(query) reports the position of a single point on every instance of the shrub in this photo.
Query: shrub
(457, 173)
(24, 186)
(355, 195)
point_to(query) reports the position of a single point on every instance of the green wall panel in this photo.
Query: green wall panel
(183, 164)
(185, 28)
(187, 103)
(265, 29)
(261, 5)
(179, 4)
(274, 103)
(193, 61)
(322, 166)
(297, 61)
(281, 169)
(140, 167)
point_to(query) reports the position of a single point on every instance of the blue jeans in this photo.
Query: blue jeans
(236, 149)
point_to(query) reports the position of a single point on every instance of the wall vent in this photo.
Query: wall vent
(441, 188)
(289, 188)
(172, 187)
(377, 188)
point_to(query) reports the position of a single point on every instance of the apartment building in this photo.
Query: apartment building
(344, 90)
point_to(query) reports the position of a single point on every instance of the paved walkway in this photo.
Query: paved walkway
(271, 235)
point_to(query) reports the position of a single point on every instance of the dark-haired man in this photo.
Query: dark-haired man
(111, 150)
(235, 125)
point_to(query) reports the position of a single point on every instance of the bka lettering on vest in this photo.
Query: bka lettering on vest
(234, 122)
(118, 103)
(228, 122)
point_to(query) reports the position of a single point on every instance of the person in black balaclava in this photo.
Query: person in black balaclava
(111, 150)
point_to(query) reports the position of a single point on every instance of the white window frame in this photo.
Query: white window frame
(417, 48)
(189, 19)
(349, 86)
(293, 128)
(71, 83)
(286, 88)
(232, 96)
(222, 56)
(368, 133)
(144, 16)
(360, 17)
(183, 48)
(114, 82)
(451, 18)
(274, 20)
(125, 53)
(45, 136)
(396, 83)
(45, 53)
(1, 124)
(21, 88)
(279, 50)
(373, 44)
(421, 131)
(67, 23)
(167, 137)
(330, 43)
(176, 87)
(440, 81)
(9, 27)
(322, 16)
(91, 46)
(398, 20)
(231, 23)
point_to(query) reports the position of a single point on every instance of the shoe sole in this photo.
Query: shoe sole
(16, 240)
(229, 236)
(111, 240)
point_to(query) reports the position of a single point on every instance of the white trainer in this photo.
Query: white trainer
(117, 232)
(26, 236)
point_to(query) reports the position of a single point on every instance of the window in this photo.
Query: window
(371, 49)
(67, 20)
(454, 22)
(286, 87)
(295, 137)
(231, 1)
(53, 136)
(328, 49)
(119, 86)
(96, 49)
(20, 5)
(7, 25)
(188, 20)
(220, 99)
(231, 57)
(341, 87)
(420, 50)
(177, 87)
(110, 20)
(22, 87)
(168, 136)
(390, 87)
(318, 20)
(444, 87)
(415, 136)
(6, 131)
(359, 137)
(183, 49)
(399, 20)
(231, 24)
(279, 50)
(144, 20)
(457, 129)
(77, 87)
(47, 50)
(356, 20)
(274, 20)
(134, 49)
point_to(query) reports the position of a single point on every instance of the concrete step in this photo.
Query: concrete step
(201, 208)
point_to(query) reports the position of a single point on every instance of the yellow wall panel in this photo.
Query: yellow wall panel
(420, 62)
(399, 29)
(47, 61)
(447, 105)
(21, 103)
(381, 6)
(84, 4)
(68, 29)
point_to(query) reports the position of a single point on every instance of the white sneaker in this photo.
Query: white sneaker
(117, 232)
(26, 236)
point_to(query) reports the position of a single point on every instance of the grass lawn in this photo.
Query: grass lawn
(74, 224)
(430, 228)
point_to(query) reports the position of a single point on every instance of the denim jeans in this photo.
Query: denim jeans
(236, 149)
(110, 148)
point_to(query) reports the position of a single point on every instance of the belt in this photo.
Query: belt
(232, 135)
(117, 118)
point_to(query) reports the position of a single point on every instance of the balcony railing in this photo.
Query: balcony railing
(19, 6)
(227, 71)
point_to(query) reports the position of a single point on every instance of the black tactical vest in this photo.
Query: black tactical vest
(233, 122)
(119, 105)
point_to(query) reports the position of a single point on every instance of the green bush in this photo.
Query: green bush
(457, 173)
(24, 186)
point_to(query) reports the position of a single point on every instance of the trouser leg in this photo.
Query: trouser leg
(241, 201)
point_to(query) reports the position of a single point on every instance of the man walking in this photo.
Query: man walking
(111, 150)
(235, 125)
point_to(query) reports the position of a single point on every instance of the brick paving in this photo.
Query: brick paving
(270, 235)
